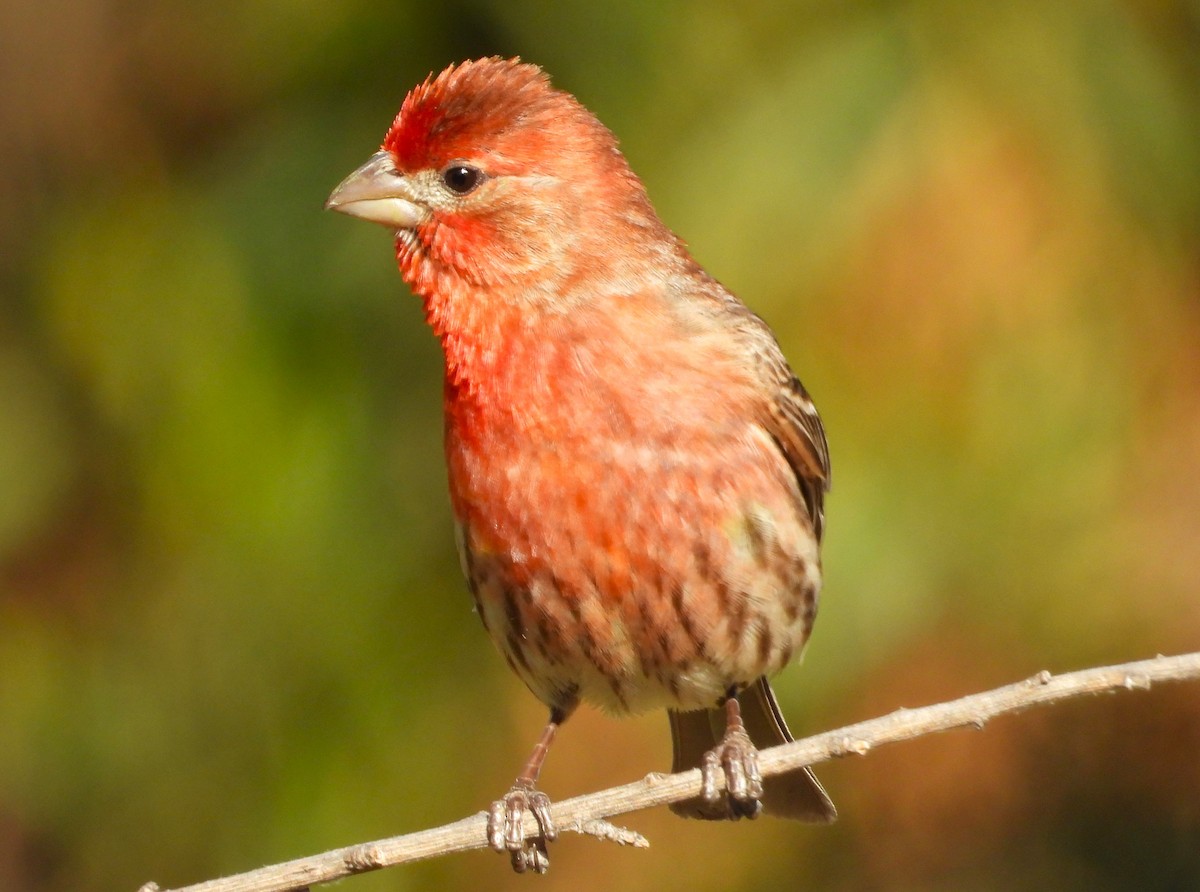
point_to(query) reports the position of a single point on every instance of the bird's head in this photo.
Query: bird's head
(490, 177)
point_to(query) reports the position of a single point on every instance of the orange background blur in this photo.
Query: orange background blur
(232, 627)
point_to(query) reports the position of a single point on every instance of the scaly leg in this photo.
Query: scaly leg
(506, 817)
(735, 757)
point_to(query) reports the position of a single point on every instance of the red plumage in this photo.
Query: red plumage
(637, 475)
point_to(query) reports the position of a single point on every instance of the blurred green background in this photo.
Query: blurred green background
(232, 628)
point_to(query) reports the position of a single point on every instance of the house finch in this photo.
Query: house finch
(636, 473)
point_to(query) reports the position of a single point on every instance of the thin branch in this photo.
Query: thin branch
(587, 814)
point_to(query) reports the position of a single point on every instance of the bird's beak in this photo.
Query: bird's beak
(378, 193)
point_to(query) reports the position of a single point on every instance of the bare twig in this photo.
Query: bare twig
(587, 814)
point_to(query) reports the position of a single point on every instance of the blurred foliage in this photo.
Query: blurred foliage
(232, 629)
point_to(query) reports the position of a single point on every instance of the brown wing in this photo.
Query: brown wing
(797, 428)
(791, 417)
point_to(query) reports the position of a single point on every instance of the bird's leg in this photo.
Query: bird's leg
(506, 817)
(735, 757)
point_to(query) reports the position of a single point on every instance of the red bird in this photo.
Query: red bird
(636, 473)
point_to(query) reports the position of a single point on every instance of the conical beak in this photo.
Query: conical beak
(378, 193)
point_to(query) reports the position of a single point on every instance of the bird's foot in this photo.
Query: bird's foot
(506, 828)
(737, 759)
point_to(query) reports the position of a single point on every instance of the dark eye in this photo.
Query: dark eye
(462, 178)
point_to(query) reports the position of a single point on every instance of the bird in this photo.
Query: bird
(636, 474)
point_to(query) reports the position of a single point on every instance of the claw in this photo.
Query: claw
(742, 777)
(710, 769)
(735, 774)
(506, 828)
(495, 826)
(736, 758)
(539, 804)
(743, 781)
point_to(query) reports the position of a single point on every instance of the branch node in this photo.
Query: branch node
(1136, 682)
(364, 857)
(855, 746)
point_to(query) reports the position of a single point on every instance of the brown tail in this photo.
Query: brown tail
(796, 794)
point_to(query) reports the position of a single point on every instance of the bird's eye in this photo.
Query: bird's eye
(462, 178)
